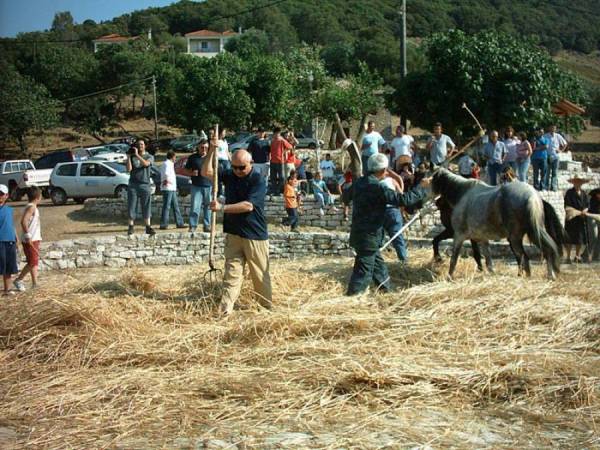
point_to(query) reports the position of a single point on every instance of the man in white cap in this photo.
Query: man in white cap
(370, 198)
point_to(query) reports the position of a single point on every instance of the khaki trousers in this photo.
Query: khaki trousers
(238, 252)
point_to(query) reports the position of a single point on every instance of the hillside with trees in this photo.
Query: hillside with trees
(287, 66)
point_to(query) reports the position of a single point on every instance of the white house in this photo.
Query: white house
(207, 43)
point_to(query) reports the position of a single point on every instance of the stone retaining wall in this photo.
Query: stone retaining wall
(183, 248)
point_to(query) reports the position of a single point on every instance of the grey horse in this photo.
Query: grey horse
(483, 213)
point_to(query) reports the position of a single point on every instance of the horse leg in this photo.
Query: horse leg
(477, 255)
(456, 246)
(516, 244)
(446, 234)
(487, 254)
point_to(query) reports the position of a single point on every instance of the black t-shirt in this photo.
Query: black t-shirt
(260, 149)
(251, 188)
(194, 162)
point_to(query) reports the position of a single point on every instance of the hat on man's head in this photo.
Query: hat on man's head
(3, 189)
(377, 162)
(578, 180)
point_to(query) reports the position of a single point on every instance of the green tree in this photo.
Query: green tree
(485, 71)
(63, 21)
(24, 106)
(202, 92)
(251, 42)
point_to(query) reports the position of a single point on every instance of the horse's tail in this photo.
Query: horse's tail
(536, 231)
(554, 226)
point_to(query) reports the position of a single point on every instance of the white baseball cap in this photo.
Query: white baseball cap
(3, 189)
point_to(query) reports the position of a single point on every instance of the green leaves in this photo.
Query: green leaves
(505, 80)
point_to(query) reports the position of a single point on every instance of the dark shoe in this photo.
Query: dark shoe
(162, 228)
(130, 230)
(206, 230)
(150, 231)
(181, 226)
(192, 229)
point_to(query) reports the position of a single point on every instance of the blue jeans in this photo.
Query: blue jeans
(365, 165)
(540, 167)
(551, 173)
(200, 200)
(141, 193)
(170, 201)
(323, 199)
(522, 168)
(392, 223)
(292, 217)
(494, 169)
(224, 164)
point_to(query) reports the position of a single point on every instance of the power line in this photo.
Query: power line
(103, 91)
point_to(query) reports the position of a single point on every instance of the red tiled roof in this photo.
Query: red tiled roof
(208, 33)
(114, 38)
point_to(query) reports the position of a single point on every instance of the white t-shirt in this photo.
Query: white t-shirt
(223, 151)
(327, 169)
(34, 224)
(167, 173)
(401, 147)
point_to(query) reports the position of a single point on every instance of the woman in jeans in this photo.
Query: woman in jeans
(140, 185)
(524, 152)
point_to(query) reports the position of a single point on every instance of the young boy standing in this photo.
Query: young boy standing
(8, 241)
(31, 238)
(291, 202)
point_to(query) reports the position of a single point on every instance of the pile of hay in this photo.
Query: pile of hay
(138, 360)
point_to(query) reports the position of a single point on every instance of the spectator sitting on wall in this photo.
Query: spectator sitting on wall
(322, 194)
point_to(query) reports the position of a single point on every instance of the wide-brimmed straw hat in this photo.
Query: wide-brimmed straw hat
(577, 179)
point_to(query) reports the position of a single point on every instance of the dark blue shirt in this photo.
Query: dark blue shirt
(194, 162)
(260, 150)
(251, 188)
(7, 227)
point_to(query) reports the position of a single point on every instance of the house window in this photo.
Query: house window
(204, 45)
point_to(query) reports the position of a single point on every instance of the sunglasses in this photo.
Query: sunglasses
(240, 168)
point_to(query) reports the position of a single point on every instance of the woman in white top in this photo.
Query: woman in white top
(511, 142)
(31, 238)
(168, 186)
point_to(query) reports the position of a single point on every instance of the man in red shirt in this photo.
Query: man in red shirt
(278, 146)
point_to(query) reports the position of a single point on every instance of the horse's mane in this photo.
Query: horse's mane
(451, 186)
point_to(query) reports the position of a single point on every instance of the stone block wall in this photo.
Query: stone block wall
(176, 249)
(183, 248)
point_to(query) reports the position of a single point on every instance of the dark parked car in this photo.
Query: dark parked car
(50, 160)
(129, 140)
(185, 143)
(184, 184)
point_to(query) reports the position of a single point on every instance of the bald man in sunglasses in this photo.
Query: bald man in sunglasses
(245, 226)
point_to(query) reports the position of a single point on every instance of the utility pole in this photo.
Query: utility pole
(403, 70)
(155, 110)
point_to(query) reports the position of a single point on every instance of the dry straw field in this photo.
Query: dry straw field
(136, 359)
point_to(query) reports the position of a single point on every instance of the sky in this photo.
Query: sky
(36, 15)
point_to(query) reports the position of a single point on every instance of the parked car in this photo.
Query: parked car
(305, 141)
(129, 140)
(180, 165)
(244, 143)
(49, 160)
(84, 179)
(185, 143)
(154, 145)
(233, 138)
(20, 174)
(184, 183)
(106, 154)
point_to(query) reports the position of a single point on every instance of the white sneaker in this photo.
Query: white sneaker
(19, 285)
(321, 212)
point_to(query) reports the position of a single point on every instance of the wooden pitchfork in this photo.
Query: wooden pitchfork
(213, 274)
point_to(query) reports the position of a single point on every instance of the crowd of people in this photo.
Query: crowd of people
(392, 186)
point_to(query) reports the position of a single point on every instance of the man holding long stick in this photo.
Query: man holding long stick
(370, 199)
(245, 226)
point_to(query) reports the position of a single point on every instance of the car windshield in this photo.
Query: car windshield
(116, 166)
(100, 151)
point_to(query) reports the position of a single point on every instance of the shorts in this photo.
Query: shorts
(32, 253)
(8, 258)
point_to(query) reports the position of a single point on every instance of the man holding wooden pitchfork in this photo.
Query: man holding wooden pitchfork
(245, 225)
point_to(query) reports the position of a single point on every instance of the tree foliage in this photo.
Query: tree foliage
(24, 106)
(503, 79)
